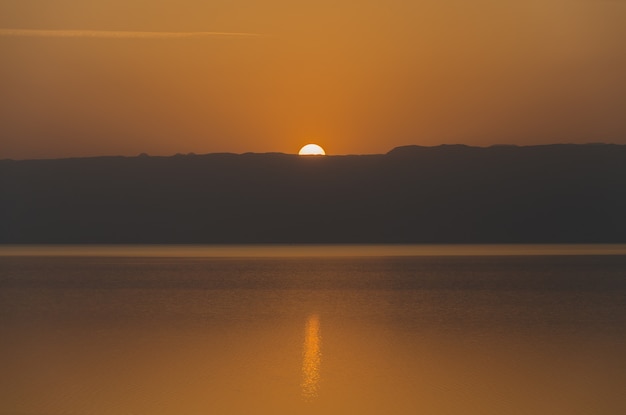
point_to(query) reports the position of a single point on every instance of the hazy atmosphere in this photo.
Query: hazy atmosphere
(312, 207)
(163, 77)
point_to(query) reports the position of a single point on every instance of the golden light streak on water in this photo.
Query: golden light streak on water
(312, 358)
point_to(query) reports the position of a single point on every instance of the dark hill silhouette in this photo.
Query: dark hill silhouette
(445, 194)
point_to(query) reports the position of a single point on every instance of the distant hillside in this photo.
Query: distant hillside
(445, 194)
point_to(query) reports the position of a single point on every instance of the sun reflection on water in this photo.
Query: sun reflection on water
(312, 358)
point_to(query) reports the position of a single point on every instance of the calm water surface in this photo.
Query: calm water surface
(312, 334)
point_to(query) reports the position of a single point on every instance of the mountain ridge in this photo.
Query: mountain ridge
(565, 193)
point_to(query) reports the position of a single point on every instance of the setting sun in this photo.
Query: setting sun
(312, 150)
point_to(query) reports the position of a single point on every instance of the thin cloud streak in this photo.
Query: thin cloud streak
(106, 34)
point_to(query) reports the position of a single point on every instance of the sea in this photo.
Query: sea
(396, 329)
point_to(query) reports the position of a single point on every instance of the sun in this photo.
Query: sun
(312, 150)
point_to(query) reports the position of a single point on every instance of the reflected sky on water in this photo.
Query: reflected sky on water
(402, 335)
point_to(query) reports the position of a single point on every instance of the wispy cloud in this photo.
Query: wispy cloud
(107, 34)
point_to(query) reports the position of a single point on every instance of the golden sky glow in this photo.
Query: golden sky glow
(132, 76)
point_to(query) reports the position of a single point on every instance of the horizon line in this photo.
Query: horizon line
(145, 154)
(311, 250)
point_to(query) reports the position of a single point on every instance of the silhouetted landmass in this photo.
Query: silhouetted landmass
(445, 194)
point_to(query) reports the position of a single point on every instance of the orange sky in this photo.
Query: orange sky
(353, 76)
